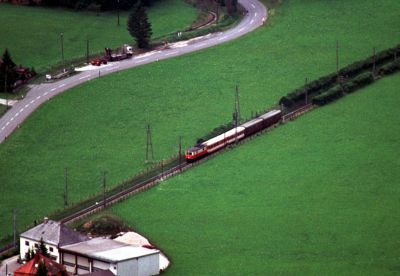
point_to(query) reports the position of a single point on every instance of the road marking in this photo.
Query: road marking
(45, 93)
(32, 101)
(53, 89)
(146, 59)
(38, 97)
(84, 77)
(61, 85)
(253, 6)
(255, 15)
(252, 21)
(12, 119)
(16, 114)
(241, 29)
(7, 123)
(3, 128)
(221, 38)
(22, 109)
(27, 105)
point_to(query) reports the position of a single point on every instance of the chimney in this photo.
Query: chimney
(45, 220)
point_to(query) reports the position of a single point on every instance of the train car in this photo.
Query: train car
(224, 139)
(264, 121)
(214, 144)
(252, 126)
(270, 118)
(195, 152)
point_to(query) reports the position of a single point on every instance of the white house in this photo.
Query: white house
(102, 254)
(54, 235)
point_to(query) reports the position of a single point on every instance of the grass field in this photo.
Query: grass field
(101, 125)
(41, 27)
(317, 196)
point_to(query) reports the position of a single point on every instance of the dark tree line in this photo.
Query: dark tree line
(12, 75)
(139, 26)
(103, 5)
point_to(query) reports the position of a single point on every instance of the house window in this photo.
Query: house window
(51, 249)
(26, 243)
(36, 245)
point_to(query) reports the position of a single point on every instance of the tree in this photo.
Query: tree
(43, 249)
(42, 269)
(29, 254)
(8, 75)
(139, 27)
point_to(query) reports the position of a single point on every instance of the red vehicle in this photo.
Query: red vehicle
(98, 61)
(247, 129)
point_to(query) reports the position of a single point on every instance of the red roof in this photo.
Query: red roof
(30, 268)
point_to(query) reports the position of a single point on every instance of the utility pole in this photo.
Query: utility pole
(237, 111)
(374, 64)
(104, 189)
(180, 151)
(306, 91)
(62, 48)
(87, 50)
(66, 188)
(15, 226)
(118, 13)
(5, 85)
(149, 145)
(337, 58)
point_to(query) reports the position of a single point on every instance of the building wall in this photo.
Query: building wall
(129, 267)
(25, 244)
(149, 265)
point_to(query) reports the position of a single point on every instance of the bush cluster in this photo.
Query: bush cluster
(356, 72)
(328, 96)
(103, 5)
(390, 68)
(358, 82)
(312, 88)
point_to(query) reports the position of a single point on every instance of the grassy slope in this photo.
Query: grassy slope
(100, 125)
(43, 26)
(316, 197)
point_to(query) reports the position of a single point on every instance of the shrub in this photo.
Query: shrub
(328, 96)
(389, 68)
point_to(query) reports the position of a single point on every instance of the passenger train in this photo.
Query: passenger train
(249, 128)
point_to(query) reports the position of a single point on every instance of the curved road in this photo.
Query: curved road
(255, 17)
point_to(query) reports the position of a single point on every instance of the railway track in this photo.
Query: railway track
(152, 181)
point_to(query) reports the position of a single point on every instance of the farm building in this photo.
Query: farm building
(31, 267)
(54, 235)
(101, 254)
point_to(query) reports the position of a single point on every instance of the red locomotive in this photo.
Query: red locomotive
(249, 128)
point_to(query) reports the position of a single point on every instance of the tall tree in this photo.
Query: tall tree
(42, 269)
(43, 249)
(139, 26)
(8, 75)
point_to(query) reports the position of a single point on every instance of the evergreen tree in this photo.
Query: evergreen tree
(42, 269)
(29, 255)
(43, 249)
(139, 27)
(8, 75)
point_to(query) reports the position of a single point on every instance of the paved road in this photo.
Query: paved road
(41, 93)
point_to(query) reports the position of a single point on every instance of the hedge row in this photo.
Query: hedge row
(358, 82)
(329, 96)
(339, 90)
(380, 58)
(324, 83)
(390, 68)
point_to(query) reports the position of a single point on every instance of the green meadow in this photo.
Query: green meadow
(316, 196)
(101, 125)
(32, 34)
